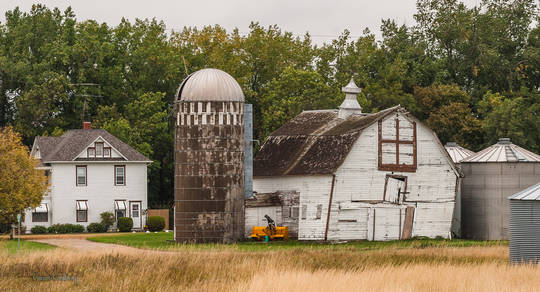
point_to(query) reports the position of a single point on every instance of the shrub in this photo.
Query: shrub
(96, 228)
(39, 229)
(66, 228)
(156, 223)
(124, 224)
(107, 218)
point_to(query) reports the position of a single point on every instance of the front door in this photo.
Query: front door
(135, 213)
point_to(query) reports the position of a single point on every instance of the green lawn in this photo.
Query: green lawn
(160, 241)
(26, 246)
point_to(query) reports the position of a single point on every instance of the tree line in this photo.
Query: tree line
(471, 73)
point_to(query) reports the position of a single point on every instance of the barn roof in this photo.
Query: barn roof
(531, 193)
(503, 151)
(456, 152)
(68, 146)
(314, 142)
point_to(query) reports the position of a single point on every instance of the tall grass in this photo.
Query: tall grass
(481, 268)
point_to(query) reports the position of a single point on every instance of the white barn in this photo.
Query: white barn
(380, 176)
(90, 171)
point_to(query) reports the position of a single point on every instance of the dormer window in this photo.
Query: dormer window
(91, 152)
(106, 152)
(99, 149)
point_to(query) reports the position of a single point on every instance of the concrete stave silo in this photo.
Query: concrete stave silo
(209, 159)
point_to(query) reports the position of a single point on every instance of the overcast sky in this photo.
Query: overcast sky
(324, 20)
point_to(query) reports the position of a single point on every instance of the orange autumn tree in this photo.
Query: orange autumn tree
(21, 184)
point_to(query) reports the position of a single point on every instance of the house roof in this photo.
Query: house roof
(456, 152)
(314, 142)
(503, 151)
(68, 146)
(531, 193)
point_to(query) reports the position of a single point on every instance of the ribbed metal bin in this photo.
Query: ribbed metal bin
(525, 226)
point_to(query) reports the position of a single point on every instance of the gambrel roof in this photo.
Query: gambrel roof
(68, 146)
(313, 142)
(317, 143)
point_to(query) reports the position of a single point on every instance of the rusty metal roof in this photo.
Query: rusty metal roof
(456, 152)
(531, 193)
(313, 142)
(503, 151)
(210, 85)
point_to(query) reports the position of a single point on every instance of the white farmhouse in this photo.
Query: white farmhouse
(90, 171)
(380, 176)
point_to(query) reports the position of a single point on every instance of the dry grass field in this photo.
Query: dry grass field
(297, 269)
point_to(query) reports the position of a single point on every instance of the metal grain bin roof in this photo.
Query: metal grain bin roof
(503, 151)
(456, 152)
(531, 193)
(210, 85)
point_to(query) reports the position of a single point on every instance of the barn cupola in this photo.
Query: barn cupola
(350, 105)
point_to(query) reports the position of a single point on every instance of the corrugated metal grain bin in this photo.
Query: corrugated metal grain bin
(491, 176)
(209, 186)
(525, 226)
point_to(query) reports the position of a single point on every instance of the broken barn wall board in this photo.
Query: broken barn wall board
(433, 219)
(358, 179)
(313, 190)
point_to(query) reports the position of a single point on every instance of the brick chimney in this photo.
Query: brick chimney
(87, 125)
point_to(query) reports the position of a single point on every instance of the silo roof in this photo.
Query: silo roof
(531, 193)
(456, 152)
(210, 85)
(503, 151)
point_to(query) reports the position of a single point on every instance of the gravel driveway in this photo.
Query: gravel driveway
(85, 245)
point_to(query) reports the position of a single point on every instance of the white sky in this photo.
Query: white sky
(325, 20)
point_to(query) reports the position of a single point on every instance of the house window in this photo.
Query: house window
(304, 212)
(394, 188)
(106, 152)
(119, 175)
(81, 175)
(99, 149)
(120, 208)
(91, 152)
(319, 211)
(397, 145)
(82, 211)
(41, 213)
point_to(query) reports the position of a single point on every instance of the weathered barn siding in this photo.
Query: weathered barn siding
(359, 185)
(314, 190)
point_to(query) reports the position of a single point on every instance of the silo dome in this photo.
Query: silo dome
(210, 85)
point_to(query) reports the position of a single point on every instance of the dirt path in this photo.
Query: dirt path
(85, 245)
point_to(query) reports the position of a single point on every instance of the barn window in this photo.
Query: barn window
(294, 212)
(304, 212)
(395, 187)
(319, 211)
(397, 145)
